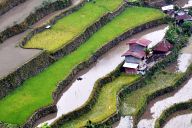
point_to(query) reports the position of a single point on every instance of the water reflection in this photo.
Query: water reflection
(183, 95)
(125, 122)
(181, 121)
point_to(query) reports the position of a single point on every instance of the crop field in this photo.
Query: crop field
(106, 103)
(134, 101)
(71, 26)
(36, 92)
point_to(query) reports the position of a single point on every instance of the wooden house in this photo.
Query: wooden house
(162, 48)
(138, 45)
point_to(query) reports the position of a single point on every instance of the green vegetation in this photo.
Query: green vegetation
(132, 103)
(73, 25)
(106, 104)
(36, 92)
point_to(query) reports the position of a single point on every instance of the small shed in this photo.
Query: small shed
(162, 47)
(131, 68)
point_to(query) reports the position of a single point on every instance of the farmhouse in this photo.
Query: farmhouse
(138, 44)
(135, 57)
(162, 48)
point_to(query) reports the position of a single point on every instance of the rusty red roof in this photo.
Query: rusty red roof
(142, 42)
(163, 46)
(139, 55)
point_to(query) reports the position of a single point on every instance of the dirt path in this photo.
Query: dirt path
(11, 57)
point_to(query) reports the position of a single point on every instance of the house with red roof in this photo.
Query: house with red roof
(135, 57)
(162, 48)
(138, 44)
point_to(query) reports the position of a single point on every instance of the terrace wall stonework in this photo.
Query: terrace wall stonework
(93, 98)
(32, 18)
(62, 85)
(32, 67)
(10, 5)
(29, 69)
(88, 32)
(47, 60)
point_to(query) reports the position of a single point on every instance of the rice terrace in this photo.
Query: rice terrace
(95, 64)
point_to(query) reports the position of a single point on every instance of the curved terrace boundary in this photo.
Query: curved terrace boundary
(95, 94)
(128, 34)
(173, 109)
(17, 76)
(27, 62)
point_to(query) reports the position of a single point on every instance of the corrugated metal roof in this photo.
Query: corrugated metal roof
(142, 42)
(139, 55)
(130, 65)
(163, 46)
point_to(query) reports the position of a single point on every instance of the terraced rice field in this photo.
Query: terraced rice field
(73, 25)
(134, 101)
(36, 92)
(106, 104)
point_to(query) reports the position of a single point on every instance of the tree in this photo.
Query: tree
(186, 27)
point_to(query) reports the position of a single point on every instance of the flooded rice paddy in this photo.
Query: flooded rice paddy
(180, 121)
(157, 106)
(80, 90)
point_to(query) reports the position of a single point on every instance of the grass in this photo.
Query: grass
(134, 101)
(36, 92)
(71, 26)
(106, 104)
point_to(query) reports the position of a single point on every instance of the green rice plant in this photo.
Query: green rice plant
(132, 103)
(106, 102)
(36, 92)
(69, 27)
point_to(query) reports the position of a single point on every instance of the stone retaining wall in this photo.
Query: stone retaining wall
(87, 63)
(9, 5)
(38, 114)
(140, 83)
(29, 69)
(33, 66)
(51, 22)
(88, 32)
(33, 18)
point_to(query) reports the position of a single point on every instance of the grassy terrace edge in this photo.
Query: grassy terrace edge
(161, 121)
(37, 89)
(184, 76)
(102, 87)
(74, 29)
(33, 18)
(83, 112)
